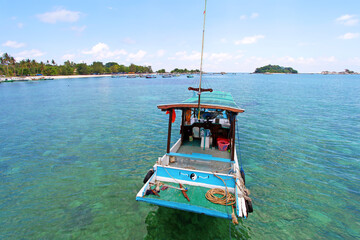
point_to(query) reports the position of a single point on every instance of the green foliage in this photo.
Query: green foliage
(161, 71)
(97, 67)
(27, 67)
(109, 64)
(177, 70)
(82, 69)
(275, 69)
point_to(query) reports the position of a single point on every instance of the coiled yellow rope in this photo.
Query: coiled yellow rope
(225, 199)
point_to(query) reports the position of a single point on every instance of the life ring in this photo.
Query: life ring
(148, 175)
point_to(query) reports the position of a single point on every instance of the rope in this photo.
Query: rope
(238, 140)
(227, 198)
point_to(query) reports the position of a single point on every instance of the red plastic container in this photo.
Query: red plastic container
(223, 144)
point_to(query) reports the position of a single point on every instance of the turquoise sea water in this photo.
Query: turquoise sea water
(73, 154)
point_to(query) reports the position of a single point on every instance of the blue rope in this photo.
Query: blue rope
(238, 140)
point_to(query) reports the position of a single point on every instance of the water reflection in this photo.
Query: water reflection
(168, 223)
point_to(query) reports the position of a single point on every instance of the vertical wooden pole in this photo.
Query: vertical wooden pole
(169, 131)
(182, 132)
(233, 123)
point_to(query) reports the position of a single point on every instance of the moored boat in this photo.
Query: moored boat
(200, 173)
(167, 76)
(202, 163)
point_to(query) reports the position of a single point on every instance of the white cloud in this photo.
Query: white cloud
(102, 51)
(254, 15)
(328, 59)
(220, 57)
(68, 57)
(129, 40)
(348, 36)
(184, 56)
(33, 53)
(347, 20)
(136, 56)
(160, 53)
(249, 40)
(20, 25)
(13, 44)
(59, 15)
(78, 29)
(223, 40)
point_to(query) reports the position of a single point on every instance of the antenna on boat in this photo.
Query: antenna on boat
(201, 61)
(199, 90)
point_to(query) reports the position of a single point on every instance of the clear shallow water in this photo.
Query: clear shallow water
(73, 154)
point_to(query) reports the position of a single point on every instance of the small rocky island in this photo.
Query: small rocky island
(346, 71)
(275, 69)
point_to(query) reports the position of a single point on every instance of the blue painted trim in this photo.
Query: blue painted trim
(185, 207)
(205, 178)
(199, 156)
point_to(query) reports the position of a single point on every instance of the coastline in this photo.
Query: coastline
(34, 78)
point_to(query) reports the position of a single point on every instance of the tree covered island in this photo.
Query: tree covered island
(275, 69)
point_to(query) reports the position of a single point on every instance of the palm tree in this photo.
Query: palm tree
(33, 63)
(12, 61)
(28, 63)
(22, 65)
(42, 66)
(6, 61)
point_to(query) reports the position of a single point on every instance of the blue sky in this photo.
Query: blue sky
(310, 36)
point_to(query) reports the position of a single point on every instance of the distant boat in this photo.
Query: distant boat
(190, 76)
(167, 76)
(150, 76)
(131, 76)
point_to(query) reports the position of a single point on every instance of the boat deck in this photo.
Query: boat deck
(198, 202)
(188, 148)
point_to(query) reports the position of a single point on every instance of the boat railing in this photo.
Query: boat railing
(199, 156)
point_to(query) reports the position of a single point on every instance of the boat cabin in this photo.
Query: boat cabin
(210, 132)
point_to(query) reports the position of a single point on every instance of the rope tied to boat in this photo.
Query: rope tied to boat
(227, 198)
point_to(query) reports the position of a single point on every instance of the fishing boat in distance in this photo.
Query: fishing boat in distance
(167, 76)
(190, 76)
(200, 173)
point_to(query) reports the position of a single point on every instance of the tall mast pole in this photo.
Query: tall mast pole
(201, 62)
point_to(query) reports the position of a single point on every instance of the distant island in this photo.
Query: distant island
(346, 71)
(275, 69)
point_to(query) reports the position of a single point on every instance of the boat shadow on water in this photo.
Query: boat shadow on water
(168, 223)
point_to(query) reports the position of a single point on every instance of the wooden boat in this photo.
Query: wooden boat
(202, 161)
(150, 76)
(200, 173)
(167, 76)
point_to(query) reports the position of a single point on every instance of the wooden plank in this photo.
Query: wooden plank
(169, 131)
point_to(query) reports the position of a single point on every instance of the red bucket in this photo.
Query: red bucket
(223, 144)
